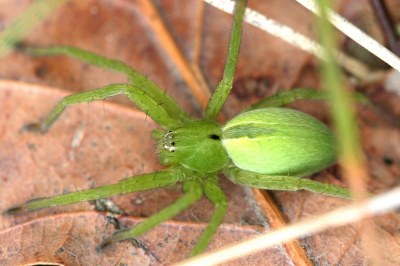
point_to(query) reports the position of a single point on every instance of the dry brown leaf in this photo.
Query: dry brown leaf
(113, 142)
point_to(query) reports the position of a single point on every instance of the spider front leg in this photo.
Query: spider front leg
(224, 87)
(136, 78)
(155, 180)
(287, 183)
(149, 105)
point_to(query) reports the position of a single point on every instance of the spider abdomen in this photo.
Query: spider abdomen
(278, 141)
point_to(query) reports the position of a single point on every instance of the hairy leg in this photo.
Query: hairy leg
(192, 193)
(159, 179)
(285, 97)
(149, 105)
(289, 183)
(223, 89)
(215, 194)
(138, 79)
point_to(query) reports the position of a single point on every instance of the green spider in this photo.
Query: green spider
(266, 147)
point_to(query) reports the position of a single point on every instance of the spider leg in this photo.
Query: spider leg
(154, 180)
(285, 97)
(138, 79)
(223, 89)
(288, 183)
(215, 194)
(149, 105)
(192, 193)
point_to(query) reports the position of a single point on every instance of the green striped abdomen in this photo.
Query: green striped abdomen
(278, 141)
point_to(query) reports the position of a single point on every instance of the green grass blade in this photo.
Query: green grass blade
(342, 107)
(25, 22)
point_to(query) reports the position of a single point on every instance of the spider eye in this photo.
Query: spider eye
(214, 136)
(167, 142)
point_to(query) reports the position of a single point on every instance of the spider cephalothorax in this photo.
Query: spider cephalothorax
(196, 145)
